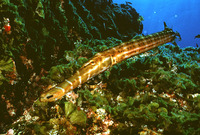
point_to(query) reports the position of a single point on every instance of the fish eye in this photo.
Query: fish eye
(48, 97)
(92, 62)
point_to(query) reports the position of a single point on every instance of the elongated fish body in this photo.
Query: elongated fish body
(106, 59)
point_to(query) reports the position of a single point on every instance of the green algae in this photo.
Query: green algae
(40, 9)
(75, 116)
(78, 118)
(5, 67)
(69, 108)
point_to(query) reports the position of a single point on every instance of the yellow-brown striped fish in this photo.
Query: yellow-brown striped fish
(106, 59)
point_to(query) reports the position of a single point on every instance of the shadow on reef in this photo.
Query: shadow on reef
(35, 35)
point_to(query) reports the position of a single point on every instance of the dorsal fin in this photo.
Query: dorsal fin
(165, 25)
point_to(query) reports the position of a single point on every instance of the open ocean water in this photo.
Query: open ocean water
(180, 15)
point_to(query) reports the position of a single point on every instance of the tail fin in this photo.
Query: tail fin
(176, 33)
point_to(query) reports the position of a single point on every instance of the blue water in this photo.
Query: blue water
(180, 15)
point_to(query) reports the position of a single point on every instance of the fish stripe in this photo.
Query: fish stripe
(63, 90)
(68, 81)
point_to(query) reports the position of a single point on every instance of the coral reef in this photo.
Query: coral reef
(156, 92)
(36, 34)
(44, 42)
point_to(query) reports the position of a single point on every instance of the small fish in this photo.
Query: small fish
(106, 59)
(197, 36)
(128, 3)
